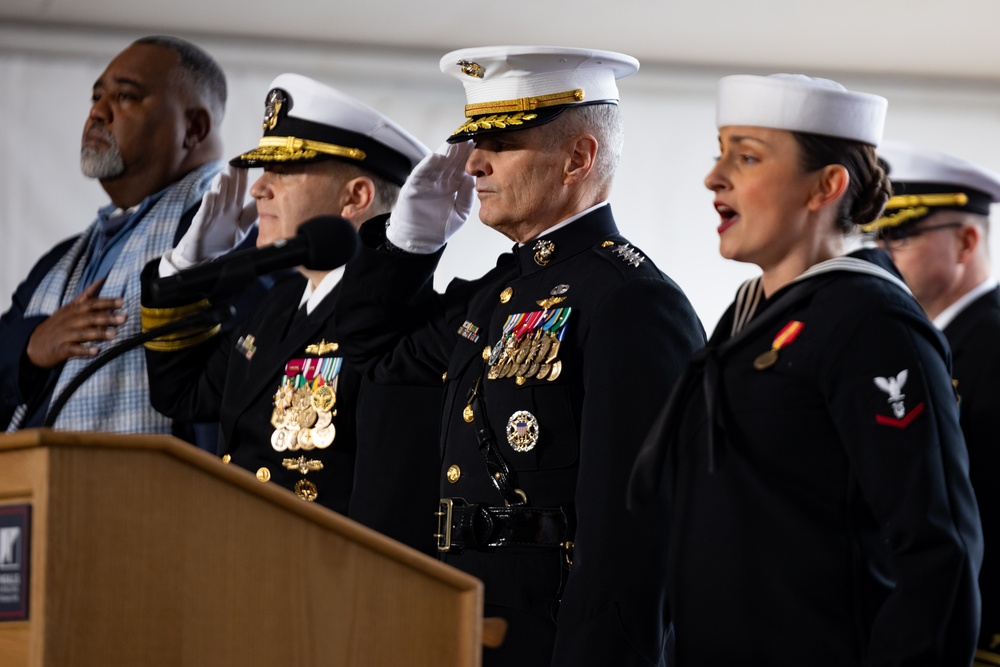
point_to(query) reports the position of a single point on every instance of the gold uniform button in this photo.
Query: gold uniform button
(454, 472)
(487, 353)
(226, 458)
(444, 376)
(506, 295)
(263, 475)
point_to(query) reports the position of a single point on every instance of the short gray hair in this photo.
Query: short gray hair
(605, 123)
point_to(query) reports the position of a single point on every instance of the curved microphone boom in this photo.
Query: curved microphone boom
(322, 243)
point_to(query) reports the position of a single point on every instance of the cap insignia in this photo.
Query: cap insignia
(275, 100)
(544, 250)
(470, 68)
(629, 255)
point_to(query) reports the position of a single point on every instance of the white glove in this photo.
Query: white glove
(219, 225)
(434, 202)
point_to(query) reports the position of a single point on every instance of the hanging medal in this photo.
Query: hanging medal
(529, 346)
(788, 333)
(305, 404)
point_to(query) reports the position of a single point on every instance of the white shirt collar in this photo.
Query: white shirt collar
(945, 317)
(313, 297)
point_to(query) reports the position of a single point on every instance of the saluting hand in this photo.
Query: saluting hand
(222, 221)
(71, 331)
(435, 201)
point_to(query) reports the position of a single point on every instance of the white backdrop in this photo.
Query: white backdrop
(661, 205)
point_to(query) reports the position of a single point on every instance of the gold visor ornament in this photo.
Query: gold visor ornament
(472, 69)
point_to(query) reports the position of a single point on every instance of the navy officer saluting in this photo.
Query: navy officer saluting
(291, 410)
(554, 361)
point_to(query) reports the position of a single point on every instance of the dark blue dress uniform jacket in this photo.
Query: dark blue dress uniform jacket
(974, 336)
(384, 450)
(820, 510)
(630, 332)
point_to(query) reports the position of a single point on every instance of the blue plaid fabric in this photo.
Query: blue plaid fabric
(116, 398)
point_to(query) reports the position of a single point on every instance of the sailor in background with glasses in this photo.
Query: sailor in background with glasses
(936, 228)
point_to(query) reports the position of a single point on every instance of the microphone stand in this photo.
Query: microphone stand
(212, 316)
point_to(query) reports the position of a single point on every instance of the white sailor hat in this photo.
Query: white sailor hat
(307, 121)
(925, 181)
(516, 87)
(800, 103)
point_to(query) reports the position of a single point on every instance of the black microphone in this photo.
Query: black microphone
(322, 243)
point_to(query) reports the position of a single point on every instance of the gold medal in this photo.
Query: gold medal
(322, 438)
(543, 370)
(306, 490)
(305, 439)
(788, 333)
(766, 360)
(522, 431)
(292, 440)
(323, 398)
(556, 370)
(307, 418)
(278, 417)
(324, 419)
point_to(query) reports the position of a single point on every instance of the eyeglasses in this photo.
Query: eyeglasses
(895, 238)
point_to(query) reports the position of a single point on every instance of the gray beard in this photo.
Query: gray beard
(102, 164)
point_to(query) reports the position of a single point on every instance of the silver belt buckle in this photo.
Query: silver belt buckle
(443, 514)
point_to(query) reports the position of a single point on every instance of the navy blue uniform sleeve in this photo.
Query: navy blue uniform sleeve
(186, 384)
(389, 321)
(894, 404)
(613, 610)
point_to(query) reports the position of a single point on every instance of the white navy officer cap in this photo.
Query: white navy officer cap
(925, 181)
(517, 87)
(800, 103)
(307, 121)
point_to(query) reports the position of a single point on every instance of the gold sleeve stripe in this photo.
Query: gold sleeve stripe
(154, 317)
(182, 341)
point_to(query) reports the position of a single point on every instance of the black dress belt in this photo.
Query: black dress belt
(462, 526)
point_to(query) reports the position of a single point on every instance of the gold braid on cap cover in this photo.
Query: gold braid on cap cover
(502, 113)
(908, 207)
(524, 103)
(283, 149)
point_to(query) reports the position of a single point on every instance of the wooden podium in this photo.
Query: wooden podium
(145, 551)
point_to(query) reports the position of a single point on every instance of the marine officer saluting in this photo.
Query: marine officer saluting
(554, 362)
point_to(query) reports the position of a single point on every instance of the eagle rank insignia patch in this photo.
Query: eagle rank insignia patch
(893, 386)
